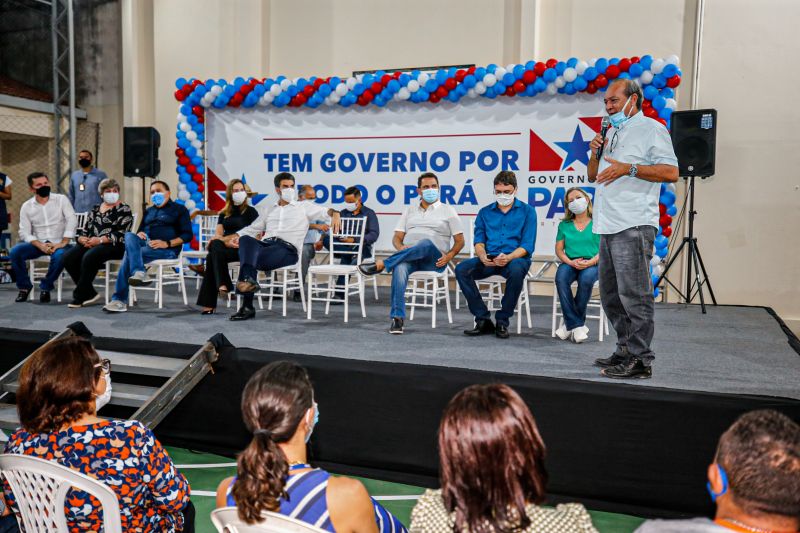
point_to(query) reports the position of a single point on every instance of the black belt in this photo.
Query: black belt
(278, 240)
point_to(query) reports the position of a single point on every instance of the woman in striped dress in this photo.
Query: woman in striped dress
(273, 472)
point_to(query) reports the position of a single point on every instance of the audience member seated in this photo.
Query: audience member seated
(99, 240)
(754, 479)
(236, 214)
(491, 463)
(578, 249)
(47, 223)
(312, 241)
(282, 226)
(164, 228)
(273, 473)
(422, 238)
(61, 387)
(505, 236)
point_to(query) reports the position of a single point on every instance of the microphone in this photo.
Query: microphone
(604, 125)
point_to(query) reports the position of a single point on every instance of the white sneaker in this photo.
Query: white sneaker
(115, 306)
(563, 333)
(139, 278)
(93, 301)
(580, 334)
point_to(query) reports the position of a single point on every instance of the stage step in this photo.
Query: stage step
(147, 365)
(121, 393)
(9, 419)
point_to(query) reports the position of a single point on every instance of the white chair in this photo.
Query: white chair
(34, 271)
(82, 218)
(288, 278)
(168, 272)
(432, 287)
(226, 520)
(594, 303)
(350, 228)
(41, 488)
(208, 228)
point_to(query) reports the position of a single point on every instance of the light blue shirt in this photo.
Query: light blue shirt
(83, 193)
(628, 202)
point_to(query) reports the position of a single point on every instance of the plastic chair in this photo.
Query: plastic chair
(41, 488)
(208, 228)
(350, 228)
(432, 287)
(168, 272)
(34, 271)
(226, 520)
(594, 303)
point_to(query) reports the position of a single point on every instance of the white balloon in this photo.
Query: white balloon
(657, 66)
(205, 102)
(655, 261)
(671, 187)
(350, 83)
(341, 89)
(646, 77)
(191, 135)
(413, 86)
(275, 90)
(190, 205)
(286, 83)
(500, 72)
(216, 90)
(673, 60)
(403, 94)
(510, 67)
(184, 195)
(181, 117)
(592, 61)
(185, 126)
(197, 144)
(581, 67)
(423, 78)
(570, 74)
(671, 103)
(489, 80)
(552, 89)
(559, 83)
(480, 88)
(181, 186)
(335, 98)
(471, 93)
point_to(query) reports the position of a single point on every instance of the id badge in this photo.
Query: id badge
(82, 187)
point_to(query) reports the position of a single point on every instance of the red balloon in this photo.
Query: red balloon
(361, 101)
(518, 86)
(191, 169)
(300, 99)
(646, 103)
(200, 187)
(197, 110)
(666, 232)
(539, 68)
(662, 209)
(650, 112)
(308, 90)
(662, 121)
(665, 221)
(624, 64)
(376, 88)
(254, 81)
(385, 79)
(450, 84)
(434, 98)
(529, 77)
(183, 160)
(397, 74)
(551, 63)
(368, 96)
(179, 96)
(236, 100)
(612, 72)
(635, 59)
(674, 81)
(179, 152)
(600, 81)
(460, 75)
(510, 91)
(591, 88)
(441, 92)
(245, 90)
(195, 83)
(194, 244)
(318, 82)
(471, 70)
(197, 178)
(200, 119)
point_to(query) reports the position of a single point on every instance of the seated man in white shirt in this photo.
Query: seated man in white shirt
(284, 226)
(422, 238)
(47, 223)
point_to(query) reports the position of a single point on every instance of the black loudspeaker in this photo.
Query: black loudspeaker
(694, 137)
(140, 152)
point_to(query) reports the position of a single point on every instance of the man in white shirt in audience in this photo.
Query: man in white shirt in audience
(422, 238)
(282, 228)
(754, 479)
(47, 223)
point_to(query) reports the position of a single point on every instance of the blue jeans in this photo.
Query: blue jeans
(470, 270)
(137, 253)
(24, 252)
(420, 257)
(574, 308)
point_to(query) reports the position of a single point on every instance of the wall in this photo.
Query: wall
(748, 213)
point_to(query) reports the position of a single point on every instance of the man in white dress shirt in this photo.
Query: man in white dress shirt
(47, 223)
(282, 228)
(638, 158)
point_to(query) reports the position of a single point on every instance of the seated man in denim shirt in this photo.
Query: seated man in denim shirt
(164, 229)
(505, 235)
(422, 238)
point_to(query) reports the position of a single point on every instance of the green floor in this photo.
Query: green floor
(204, 483)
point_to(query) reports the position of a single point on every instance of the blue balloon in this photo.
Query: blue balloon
(572, 61)
(180, 134)
(590, 74)
(665, 113)
(668, 198)
(335, 80)
(480, 72)
(569, 88)
(441, 76)
(580, 84)
(561, 67)
(180, 82)
(186, 110)
(530, 65)
(191, 151)
(650, 92)
(601, 65)
(519, 70)
(613, 61)
(431, 85)
(259, 90)
(655, 292)
(672, 210)
(539, 85)
(655, 277)
(490, 92)
(197, 160)
(229, 90)
(550, 75)
(530, 90)
(301, 83)
(667, 92)
(669, 70)
(470, 81)
(292, 91)
(508, 79)
(192, 119)
(659, 102)
(491, 67)
(184, 178)
(659, 81)
(201, 90)
(393, 86)
(661, 241)
(624, 76)
(403, 79)
(662, 252)
(499, 87)
(453, 96)
(197, 196)
(423, 95)
(191, 187)
(635, 70)
(238, 82)
(358, 89)
(646, 61)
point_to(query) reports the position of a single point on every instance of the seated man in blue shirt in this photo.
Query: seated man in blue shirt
(164, 228)
(505, 235)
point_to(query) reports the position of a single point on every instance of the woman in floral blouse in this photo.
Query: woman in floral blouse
(100, 239)
(61, 387)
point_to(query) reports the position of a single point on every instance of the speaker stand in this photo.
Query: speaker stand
(144, 197)
(694, 285)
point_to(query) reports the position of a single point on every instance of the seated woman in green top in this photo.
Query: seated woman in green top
(577, 248)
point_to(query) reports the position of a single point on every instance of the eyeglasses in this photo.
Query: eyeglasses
(614, 140)
(105, 364)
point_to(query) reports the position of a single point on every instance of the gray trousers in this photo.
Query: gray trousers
(626, 289)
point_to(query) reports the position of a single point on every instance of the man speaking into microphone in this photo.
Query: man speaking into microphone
(628, 170)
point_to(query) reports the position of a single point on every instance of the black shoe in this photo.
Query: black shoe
(501, 331)
(614, 360)
(212, 311)
(369, 269)
(632, 369)
(337, 302)
(482, 327)
(22, 296)
(245, 313)
(44, 297)
(397, 326)
(296, 297)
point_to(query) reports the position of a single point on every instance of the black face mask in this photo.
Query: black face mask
(85, 163)
(43, 191)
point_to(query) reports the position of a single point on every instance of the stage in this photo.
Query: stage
(637, 447)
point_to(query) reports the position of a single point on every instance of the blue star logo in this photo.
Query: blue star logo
(253, 201)
(577, 149)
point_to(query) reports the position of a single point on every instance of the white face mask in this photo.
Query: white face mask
(239, 197)
(104, 398)
(350, 207)
(110, 197)
(578, 205)
(289, 194)
(504, 199)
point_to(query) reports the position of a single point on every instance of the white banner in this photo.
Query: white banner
(545, 141)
